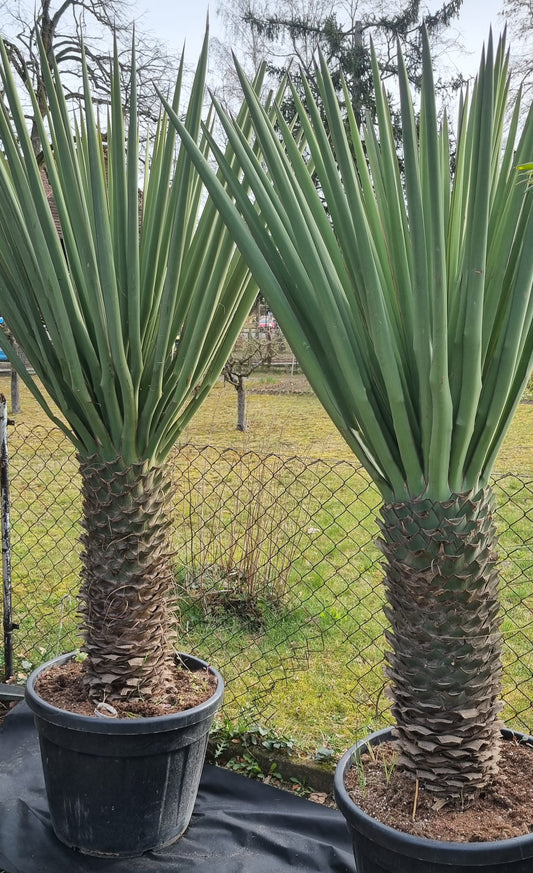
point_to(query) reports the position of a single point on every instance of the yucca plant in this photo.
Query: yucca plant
(127, 318)
(408, 302)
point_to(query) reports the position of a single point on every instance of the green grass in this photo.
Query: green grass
(288, 424)
(309, 664)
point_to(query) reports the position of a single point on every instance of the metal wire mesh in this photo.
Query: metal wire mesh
(277, 575)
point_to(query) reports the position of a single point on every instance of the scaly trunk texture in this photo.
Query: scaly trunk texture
(445, 663)
(126, 579)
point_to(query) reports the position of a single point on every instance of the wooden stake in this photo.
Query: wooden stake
(415, 800)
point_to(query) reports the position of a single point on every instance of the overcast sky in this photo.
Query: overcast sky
(176, 21)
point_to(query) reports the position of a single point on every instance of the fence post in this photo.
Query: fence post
(6, 541)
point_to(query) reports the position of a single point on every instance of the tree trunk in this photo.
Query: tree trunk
(126, 580)
(445, 659)
(15, 392)
(241, 405)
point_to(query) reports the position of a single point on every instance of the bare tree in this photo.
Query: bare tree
(290, 33)
(254, 44)
(64, 26)
(254, 348)
(518, 15)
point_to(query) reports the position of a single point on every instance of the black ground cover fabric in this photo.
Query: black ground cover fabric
(238, 826)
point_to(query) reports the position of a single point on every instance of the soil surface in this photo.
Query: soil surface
(503, 810)
(62, 686)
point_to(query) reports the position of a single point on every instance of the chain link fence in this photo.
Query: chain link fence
(277, 580)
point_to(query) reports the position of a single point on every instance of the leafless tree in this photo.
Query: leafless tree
(64, 26)
(290, 33)
(255, 348)
(253, 45)
(518, 16)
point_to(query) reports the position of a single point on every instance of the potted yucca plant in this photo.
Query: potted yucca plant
(407, 299)
(127, 316)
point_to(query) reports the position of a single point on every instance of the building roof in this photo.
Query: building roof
(53, 206)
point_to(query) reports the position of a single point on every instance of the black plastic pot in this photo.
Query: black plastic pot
(381, 849)
(122, 786)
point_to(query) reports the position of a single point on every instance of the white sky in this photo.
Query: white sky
(179, 21)
(176, 21)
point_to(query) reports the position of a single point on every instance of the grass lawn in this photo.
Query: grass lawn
(324, 638)
(294, 423)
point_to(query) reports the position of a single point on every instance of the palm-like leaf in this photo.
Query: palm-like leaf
(402, 301)
(127, 320)
(409, 305)
(98, 313)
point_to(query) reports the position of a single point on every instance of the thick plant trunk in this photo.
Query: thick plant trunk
(445, 658)
(126, 578)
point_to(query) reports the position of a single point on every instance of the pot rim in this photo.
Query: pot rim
(142, 724)
(423, 848)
